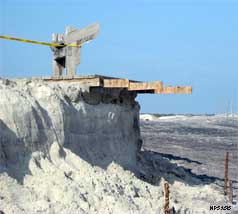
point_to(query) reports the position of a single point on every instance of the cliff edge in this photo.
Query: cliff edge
(100, 125)
(67, 148)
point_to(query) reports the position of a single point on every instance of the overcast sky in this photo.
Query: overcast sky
(179, 42)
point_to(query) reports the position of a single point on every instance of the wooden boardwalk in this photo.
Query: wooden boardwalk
(131, 85)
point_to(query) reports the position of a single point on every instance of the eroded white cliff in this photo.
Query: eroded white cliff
(65, 149)
(101, 126)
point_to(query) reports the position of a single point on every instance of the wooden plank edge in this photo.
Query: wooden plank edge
(116, 83)
(92, 82)
(174, 90)
(145, 86)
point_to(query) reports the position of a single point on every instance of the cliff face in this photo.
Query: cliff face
(100, 126)
(68, 148)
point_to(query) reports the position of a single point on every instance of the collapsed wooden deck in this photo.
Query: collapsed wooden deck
(131, 85)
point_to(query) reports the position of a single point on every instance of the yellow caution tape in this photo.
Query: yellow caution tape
(39, 43)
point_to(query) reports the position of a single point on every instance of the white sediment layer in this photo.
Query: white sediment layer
(65, 150)
(69, 184)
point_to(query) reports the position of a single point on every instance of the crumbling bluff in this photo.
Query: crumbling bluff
(101, 126)
(65, 148)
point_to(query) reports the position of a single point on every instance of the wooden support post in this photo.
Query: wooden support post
(166, 195)
(226, 173)
(230, 192)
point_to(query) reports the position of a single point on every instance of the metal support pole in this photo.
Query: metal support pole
(226, 173)
(166, 195)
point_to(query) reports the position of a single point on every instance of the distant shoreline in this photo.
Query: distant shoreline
(187, 115)
(163, 115)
